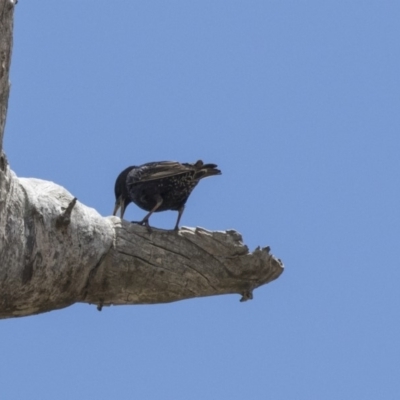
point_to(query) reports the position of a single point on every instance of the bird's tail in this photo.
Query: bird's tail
(205, 170)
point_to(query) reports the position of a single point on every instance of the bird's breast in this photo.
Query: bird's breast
(173, 190)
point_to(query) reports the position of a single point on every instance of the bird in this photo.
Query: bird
(159, 186)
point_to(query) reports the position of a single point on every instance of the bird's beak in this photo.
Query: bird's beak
(118, 205)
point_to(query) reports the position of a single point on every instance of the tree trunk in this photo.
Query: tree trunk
(55, 251)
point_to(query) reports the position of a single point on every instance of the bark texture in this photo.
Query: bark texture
(55, 251)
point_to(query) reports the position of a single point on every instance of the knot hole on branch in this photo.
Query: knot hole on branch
(65, 218)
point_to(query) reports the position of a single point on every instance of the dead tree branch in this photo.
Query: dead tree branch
(55, 251)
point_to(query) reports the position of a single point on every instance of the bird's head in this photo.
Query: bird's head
(121, 192)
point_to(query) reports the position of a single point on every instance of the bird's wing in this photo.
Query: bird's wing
(156, 170)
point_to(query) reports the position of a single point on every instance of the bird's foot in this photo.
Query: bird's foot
(143, 222)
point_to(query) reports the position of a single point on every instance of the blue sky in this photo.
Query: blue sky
(298, 103)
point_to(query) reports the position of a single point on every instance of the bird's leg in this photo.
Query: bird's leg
(145, 220)
(180, 212)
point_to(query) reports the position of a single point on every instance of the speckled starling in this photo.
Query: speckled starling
(159, 186)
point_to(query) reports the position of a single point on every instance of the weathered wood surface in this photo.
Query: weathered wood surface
(55, 251)
(164, 266)
(6, 42)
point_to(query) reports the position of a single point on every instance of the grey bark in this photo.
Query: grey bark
(55, 251)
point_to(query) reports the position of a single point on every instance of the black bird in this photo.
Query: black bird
(159, 186)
